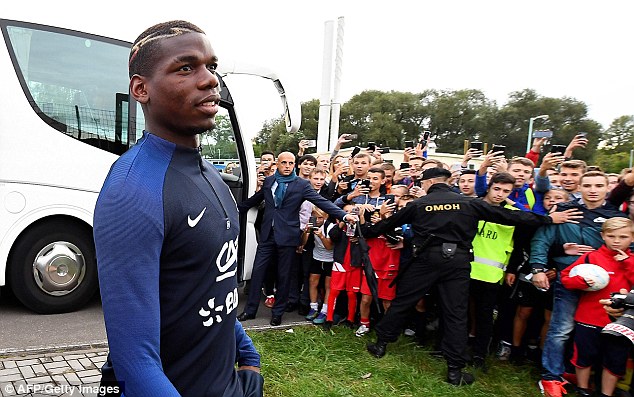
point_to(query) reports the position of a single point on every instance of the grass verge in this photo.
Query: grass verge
(311, 362)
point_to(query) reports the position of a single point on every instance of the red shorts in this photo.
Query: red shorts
(383, 258)
(345, 277)
(384, 290)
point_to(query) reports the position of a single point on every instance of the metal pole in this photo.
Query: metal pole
(323, 126)
(530, 134)
(336, 98)
(631, 157)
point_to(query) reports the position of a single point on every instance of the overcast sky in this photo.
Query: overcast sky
(579, 49)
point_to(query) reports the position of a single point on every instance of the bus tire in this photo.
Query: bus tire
(53, 267)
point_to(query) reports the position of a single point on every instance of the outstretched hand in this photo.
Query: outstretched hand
(567, 216)
(577, 249)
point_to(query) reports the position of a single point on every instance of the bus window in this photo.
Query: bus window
(89, 99)
(220, 148)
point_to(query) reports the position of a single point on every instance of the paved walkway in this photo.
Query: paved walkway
(72, 373)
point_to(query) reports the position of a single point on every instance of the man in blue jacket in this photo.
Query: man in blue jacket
(283, 194)
(166, 233)
(566, 242)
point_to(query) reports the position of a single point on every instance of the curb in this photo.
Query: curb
(30, 351)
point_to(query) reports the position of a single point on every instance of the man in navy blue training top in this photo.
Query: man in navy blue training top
(166, 234)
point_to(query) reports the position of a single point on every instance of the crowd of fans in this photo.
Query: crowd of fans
(523, 305)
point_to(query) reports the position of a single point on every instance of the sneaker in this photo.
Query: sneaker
(269, 301)
(312, 314)
(552, 388)
(504, 351)
(362, 330)
(320, 319)
(581, 392)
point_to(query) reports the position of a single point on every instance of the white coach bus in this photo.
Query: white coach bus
(65, 116)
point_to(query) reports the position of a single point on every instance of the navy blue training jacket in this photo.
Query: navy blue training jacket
(166, 234)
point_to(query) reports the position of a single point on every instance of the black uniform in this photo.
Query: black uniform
(444, 225)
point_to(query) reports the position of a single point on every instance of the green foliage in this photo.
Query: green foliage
(386, 118)
(619, 136)
(459, 115)
(390, 118)
(612, 162)
(312, 362)
(567, 117)
(219, 142)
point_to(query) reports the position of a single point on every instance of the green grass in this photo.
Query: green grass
(311, 362)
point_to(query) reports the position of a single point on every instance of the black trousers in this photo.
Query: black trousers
(451, 276)
(485, 297)
(269, 251)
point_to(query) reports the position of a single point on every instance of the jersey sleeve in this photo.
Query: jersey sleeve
(129, 231)
(246, 354)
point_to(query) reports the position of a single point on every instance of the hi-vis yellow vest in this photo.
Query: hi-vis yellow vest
(492, 248)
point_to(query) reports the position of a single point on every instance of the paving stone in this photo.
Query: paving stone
(39, 379)
(86, 373)
(20, 385)
(91, 379)
(74, 356)
(11, 378)
(76, 365)
(59, 379)
(60, 370)
(9, 371)
(27, 372)
(57, 358)
(7, 389)
(9, 364)
(21, 363)
(86, 363)
(72, 379)
(39, 369)
(55, 364)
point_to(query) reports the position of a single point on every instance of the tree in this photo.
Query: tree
(219, 142)
(273, 135)
(459, 115)
(615, 146)
(619, 136)
(567, 117)
(386, 118)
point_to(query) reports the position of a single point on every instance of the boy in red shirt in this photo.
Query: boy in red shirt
(590, 317)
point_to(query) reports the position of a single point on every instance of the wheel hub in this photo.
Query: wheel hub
(59, 268)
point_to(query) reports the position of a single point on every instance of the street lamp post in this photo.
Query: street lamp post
(530, 129)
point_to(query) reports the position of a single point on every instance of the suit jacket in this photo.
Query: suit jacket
(285, 219)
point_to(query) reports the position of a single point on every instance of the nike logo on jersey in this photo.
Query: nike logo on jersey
(599, 219)
(193, 222)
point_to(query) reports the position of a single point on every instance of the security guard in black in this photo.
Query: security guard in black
(444, 223)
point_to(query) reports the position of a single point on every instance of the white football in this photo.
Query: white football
(597, 273)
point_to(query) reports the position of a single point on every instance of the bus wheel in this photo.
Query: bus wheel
(53, 267)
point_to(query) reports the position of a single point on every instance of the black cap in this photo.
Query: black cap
(435, 173)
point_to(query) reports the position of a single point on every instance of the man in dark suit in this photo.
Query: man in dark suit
(283, 193)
